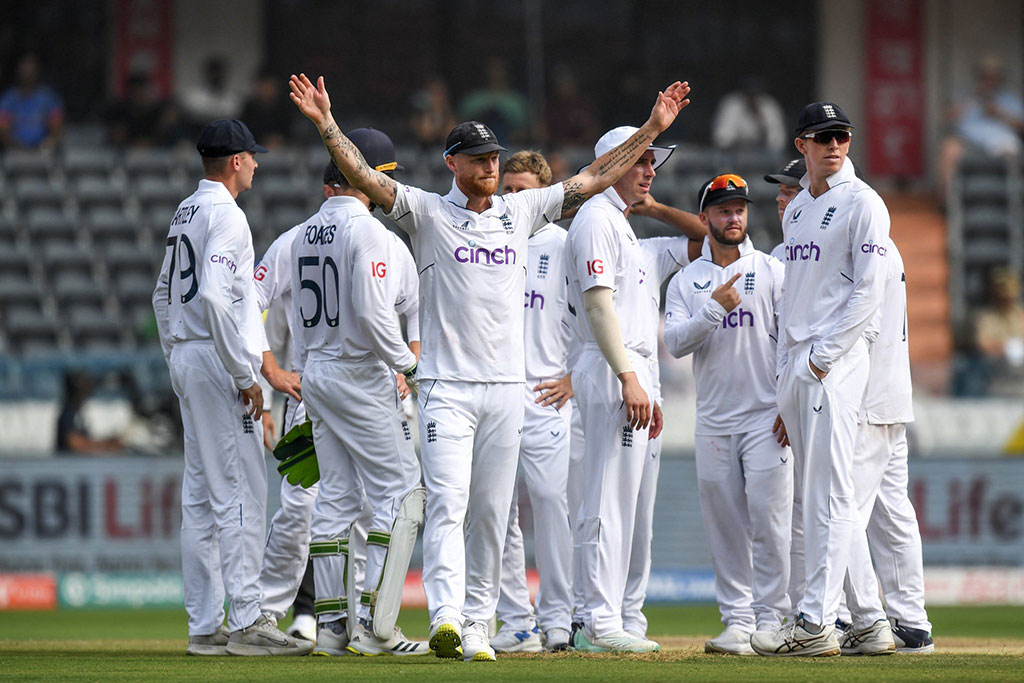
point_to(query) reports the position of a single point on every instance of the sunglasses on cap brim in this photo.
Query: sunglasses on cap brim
(823, 137)
(722, 182)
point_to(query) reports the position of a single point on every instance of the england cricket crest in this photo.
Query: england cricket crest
(506, 223)
(748, 283)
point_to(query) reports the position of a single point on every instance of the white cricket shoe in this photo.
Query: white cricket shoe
(263, 638)
(874, 640)
(793, 640)
(511, 640)
(475, 646)
(732, 641)
(332, 639)
(213, 644)
(303, 626)
(556, 640)
(446, 639)
(620, 642)
(364, 642)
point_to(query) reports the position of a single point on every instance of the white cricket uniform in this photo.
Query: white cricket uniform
(835, 279)
(344, 288)
(472, 374)
(880, 470)
(212, 336)
(544, 450)
(745, 479)
(603, 251)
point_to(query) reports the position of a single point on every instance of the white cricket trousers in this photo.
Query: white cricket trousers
(362, 449)
(821, 421)
(469, 446)
(639, 572)
(574, 495)
(544, 461)
(613, 466)
(892, 531)
(745, 483)
(223, 493)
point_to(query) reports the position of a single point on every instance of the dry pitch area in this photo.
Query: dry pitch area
(978, 643)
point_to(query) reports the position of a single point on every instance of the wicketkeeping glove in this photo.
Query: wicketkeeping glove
(298, 456)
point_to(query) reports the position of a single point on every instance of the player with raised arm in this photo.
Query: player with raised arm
(835, 235)
(469, 247)
(212, 336)
(723, 309)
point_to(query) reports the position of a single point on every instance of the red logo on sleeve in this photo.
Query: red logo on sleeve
(379, 268)
(260, 273)
(595, 267)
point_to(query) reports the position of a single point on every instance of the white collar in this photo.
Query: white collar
(613, 196)
(215, 186)
(843, 175)
(457, 197)
(746, 248)
(344, 201)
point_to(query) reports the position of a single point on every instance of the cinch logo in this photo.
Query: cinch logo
(474, 254)
(379, 268)
(802, 252)
(534, 299)
(872, 248)
(217, 258)
(738, 318)
(595, 267)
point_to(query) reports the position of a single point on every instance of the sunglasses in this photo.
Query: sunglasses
(824, 137)
(722, 182)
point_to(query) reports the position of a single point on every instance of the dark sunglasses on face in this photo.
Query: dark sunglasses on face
(824, 137)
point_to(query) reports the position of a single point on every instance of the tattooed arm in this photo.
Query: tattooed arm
(314, 103)
(609, 167)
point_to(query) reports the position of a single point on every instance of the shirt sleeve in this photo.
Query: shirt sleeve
(778, 271)
(226, 238)
(408, 303)
(596, 250)
(668, 254)
(161, 305)
(272, 277)
(686, 331)
(413, 207)
(542, 205)
(869, 234)
(375, 276)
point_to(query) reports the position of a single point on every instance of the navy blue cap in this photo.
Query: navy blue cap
(376, 148)
(821, 115)
(471, 137)
(225, 137)
(722, 188)
(790, 174)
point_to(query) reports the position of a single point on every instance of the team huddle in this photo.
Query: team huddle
(803, 394)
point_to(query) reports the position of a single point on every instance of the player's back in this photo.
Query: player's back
(545, 334)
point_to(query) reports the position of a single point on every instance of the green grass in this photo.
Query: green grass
(146, 645)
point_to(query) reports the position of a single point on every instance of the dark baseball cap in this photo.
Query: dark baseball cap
(471, 137)
(722, 188)
(376, 148)
(821, 115)
(225, 137)
(790, 174)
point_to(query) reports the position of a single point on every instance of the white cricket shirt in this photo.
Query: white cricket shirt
(602, 251)
(734, 354)
(545, 333)
(204, 290)
(273, 281)
(407, 301)
(889, 395)
(344, 286)
(836, 247)
(472, 270)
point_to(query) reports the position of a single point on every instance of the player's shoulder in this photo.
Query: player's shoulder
(417, 195)
(549, 234)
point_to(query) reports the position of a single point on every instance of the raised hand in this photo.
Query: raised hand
(726, 294)
(669, 104)
(312, 100)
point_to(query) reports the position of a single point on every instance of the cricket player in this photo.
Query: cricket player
(880, 483)
(344, 287)
(788, 179)
(212, 337)
(469, 247)
(744, 476)
(835, 234)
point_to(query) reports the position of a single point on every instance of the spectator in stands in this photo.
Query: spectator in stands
(749, 118)
(31, 113)
(72, 434)
(432, 115)
(267, 112)
(569, 117)
(211, 99)
(999, 334)
(503, 109)
(990, 121)
(141, 119)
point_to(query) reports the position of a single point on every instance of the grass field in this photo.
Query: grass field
(976, 643)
